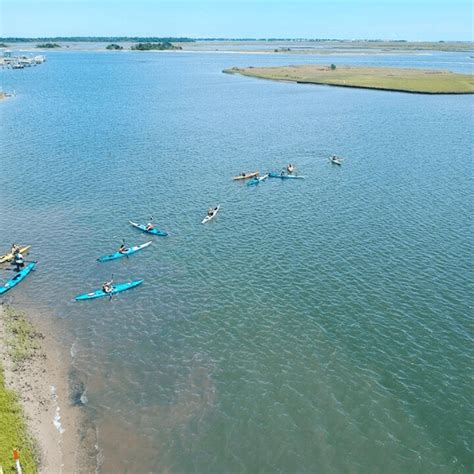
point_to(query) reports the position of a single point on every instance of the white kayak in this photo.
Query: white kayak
(209, 217)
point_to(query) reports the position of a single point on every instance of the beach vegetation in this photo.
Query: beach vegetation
(165, 45)
(48, 45)
(114, 46)
(21, 342)
(14, 433)
(333, 67)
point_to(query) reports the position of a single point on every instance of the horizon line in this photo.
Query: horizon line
(148, 38)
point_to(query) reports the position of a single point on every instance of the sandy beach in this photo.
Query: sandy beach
(41, 383)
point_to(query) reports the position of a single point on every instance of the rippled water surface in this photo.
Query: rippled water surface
(317, 325)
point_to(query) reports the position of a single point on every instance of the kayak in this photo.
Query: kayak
(8, 257)
(246, 175)
(255, 181)
(115, 289)
(21, 275)
(208, 218)
(336, 161)
(154, 231)
(128, 252)
(284, 176)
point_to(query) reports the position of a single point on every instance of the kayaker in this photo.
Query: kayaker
(290, 168)
(107, 286)
(150, 226)
(211, 211)
(122, 248)
(282, 173)
(15, 249)
(18, 260)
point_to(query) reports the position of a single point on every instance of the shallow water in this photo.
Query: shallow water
(318, 325)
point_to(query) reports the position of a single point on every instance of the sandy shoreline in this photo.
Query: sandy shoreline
(42, 385)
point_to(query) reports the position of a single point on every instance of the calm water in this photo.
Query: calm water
(322, 325)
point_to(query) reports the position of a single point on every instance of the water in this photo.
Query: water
(320, 325)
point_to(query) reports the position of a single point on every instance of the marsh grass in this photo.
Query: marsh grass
(391, 79)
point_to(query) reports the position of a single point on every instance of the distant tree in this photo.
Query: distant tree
(333, 67)
(3, 45)
(48, 45)
(114, 46)
(165, 45)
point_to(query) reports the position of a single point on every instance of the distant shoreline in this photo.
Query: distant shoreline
(413, 81)
(270, 46)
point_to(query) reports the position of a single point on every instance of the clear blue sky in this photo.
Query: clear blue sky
(345, 19)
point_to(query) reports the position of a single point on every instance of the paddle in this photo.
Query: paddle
(111, 287)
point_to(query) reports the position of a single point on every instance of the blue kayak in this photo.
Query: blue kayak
(284, 176)
(126, 253)
(115, 289)
(22, 274)
(257, 180)
(154, 231)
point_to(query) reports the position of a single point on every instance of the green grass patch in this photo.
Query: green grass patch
(390, 79)
(13, 433)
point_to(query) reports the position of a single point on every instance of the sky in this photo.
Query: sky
(416, 20)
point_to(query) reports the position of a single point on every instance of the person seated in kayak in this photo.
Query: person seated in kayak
(123, 249)
(282, 173)
(210, 211)
(18, 260)
(290, 167)
(150, 226)
(107, 286)
(15, 249)
(243, 174)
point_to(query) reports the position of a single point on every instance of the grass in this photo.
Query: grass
(22, 338)
(391, 79)
(13, 433)
(21, 343)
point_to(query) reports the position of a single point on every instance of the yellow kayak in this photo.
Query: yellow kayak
(8, 257)
(246, 175)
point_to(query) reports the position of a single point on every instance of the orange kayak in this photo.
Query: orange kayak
(246, 175)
